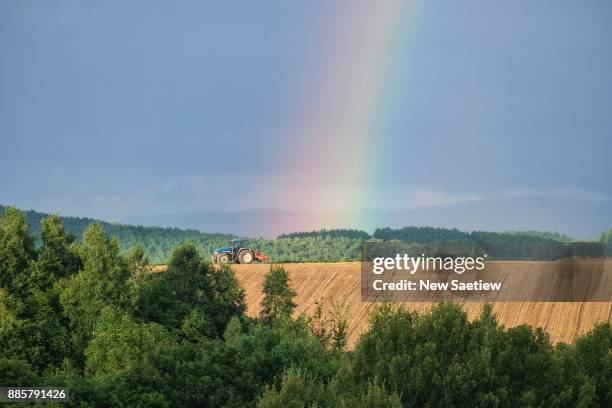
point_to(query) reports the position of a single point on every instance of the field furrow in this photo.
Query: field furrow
(340, 283)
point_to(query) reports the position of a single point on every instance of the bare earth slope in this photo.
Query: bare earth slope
(564, 321)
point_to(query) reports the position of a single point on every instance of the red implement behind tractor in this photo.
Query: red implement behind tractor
(261, 257)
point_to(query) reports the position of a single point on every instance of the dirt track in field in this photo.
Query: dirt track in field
(340, 282)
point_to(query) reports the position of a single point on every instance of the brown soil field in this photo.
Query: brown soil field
(341, 282)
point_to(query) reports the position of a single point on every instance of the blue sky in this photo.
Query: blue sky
(137, 110)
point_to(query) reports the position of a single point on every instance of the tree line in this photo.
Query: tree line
(514, 245)
(81, 314)
(333, 233)
(337, 245)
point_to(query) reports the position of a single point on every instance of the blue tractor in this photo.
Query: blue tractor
(238, 252)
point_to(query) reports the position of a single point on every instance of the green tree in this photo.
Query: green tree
(329, 323)
(14, 372)
(594, 354)
(30, 328)
(278, 296)
(256, 357)
(606, 239)
(377, 397)
(297, 390)
(16, 251)
(103, 281)
(120, 344)
(606, 236)
(39, 338)
(197, 326)
(138, 260)
(191, 294)
(432, 359)
(228, 297)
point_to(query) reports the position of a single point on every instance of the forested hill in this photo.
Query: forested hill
(333, 233)
(326, 245)
(158, 242)
(509, 245)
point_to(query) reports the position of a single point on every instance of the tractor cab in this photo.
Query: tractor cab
(236, 244)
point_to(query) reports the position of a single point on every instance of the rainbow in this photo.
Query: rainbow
(332, 148)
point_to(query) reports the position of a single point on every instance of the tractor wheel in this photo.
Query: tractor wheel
(245, 257)
(223, 258)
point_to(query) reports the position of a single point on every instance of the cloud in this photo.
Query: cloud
(120, 193)
(568, 192)
(424, 198)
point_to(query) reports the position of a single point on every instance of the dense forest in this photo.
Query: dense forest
(513, 245)
(83, 315)
(337, 244)
(158, 242)
(332, 233)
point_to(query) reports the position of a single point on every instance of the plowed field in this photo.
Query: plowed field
(340, 282)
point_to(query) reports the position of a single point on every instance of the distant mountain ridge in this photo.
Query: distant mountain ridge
(577, 218)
